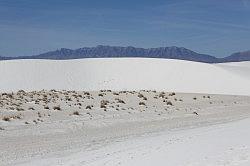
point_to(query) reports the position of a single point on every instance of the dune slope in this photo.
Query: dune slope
(125, 74)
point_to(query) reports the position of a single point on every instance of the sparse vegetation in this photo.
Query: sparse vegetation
(7, 119)
(89, 107)
(76, 113)
(169, 103)
(57, 108)
(142, 103)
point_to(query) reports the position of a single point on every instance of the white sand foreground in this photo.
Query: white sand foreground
(123, 128)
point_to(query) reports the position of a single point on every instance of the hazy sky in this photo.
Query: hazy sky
(216, 27)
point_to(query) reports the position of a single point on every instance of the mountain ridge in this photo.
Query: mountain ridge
(105, 51)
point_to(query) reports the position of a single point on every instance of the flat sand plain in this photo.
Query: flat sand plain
(51, 125)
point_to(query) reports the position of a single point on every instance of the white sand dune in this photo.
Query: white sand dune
(208, 146)
(196, 129)
(126, 74)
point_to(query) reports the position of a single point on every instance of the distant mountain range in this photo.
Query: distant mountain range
(115, 51)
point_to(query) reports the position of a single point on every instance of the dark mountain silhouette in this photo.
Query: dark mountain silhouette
(237, 57)
(116, 51)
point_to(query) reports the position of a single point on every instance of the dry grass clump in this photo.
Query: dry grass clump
(7, 119)
(115, 93)
(140, 95)
(101, 94)
(120, 101)
(142, 103)
(162, 95)
(19, 109)
(104, 103)
(172, 94)
(195, 113)
(46, 107)
(86, 93)
(89, 107)
(76, 113)
(31, 108)
(57, 108)
(169, 103)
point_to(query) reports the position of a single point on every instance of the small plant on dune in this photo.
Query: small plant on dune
(169, 103)
(31, 108)
(57, 108)
(100, 94)
(46, 107)
(86, 93)
(104, 103)
(195, 98)
(19, 109)
(172, 94)
(195, 113)
(162, 95)
(140, 95)
(76, 113)
(114, 93)
(120, 101)
(89, 107)
(7, 119)
(39, 114)
(142, 103)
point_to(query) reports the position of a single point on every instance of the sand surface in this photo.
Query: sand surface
(116, 127)
(126, 74)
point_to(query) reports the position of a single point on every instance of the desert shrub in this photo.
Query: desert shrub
(21, 91)
(169, 103)
(88, 107)
(172, 94)
(86, 93)
(57, 108)
(162, 95)
(6, 118)
(100, 94)
(140, 95)
(103, 106)
(19, 109)
(142, 103)
(46, 107)
(76, 113)
(120, 101)
(104, 103)
(39, 114)
(195, 113)
(195, 98)
(114, 93)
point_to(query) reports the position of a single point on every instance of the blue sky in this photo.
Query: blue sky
(216, 27)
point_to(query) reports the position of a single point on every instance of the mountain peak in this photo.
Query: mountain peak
(106, 51)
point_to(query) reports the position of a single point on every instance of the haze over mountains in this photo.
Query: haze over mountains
(117, 51)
